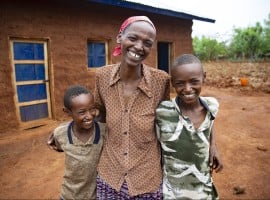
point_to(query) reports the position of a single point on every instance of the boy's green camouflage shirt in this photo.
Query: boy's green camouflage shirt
(186, 151)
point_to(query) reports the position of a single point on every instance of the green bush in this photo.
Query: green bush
(251, 43)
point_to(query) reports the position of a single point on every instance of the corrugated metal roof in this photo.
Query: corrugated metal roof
(151, 9)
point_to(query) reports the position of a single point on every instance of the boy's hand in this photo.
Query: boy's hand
(215, 160)
(51, 142)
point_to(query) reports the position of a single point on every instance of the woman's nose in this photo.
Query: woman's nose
(139, 45)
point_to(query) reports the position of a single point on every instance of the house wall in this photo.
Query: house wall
(67, 26)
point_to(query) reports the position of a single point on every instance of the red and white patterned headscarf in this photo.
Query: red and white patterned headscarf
(117, 50)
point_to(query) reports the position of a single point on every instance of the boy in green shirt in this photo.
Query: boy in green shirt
(184, 129)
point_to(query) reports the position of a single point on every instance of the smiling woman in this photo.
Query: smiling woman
(128, 94)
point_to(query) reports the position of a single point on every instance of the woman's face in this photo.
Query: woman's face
(136, 42)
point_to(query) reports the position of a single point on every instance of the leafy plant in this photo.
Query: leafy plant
(251, 43)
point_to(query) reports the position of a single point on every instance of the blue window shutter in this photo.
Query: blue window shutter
(96, 54)
(33, 112)
(28, 51)
(29, 72)
(31, 92)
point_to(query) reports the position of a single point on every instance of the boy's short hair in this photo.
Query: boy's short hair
(185, 59)
(72, 92)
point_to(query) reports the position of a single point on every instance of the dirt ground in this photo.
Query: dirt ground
(30, 170)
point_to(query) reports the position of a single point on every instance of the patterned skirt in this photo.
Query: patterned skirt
(106, 192)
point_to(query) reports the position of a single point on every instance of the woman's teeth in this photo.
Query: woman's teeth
(134, 54)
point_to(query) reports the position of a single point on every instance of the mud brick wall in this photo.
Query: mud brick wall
(66, 26)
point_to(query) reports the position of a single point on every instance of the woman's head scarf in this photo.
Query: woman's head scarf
(117, 50)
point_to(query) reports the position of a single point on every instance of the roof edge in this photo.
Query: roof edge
(151, 9)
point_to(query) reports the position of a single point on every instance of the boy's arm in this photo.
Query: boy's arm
(53, 144)
(214, 157)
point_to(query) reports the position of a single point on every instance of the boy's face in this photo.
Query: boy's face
(83, 111)
(187, 80)
(137, 41)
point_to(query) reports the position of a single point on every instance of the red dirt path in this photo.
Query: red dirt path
(30, 170)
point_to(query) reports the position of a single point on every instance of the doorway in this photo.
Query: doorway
(164, 56)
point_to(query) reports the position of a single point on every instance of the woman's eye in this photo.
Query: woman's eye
(148, 44)
(132, 38)
(179, 84)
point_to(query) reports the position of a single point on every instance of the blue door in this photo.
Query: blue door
(31, 80)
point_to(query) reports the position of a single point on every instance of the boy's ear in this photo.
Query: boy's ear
(97, 112)
(66, 110)
(204, 76)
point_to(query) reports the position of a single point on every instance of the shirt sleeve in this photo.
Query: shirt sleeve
(212, 104)
(159, 111)
(98, 99)
(58, 145)
(60, 136)
(167, 90)
(103, 128)
(157, 130)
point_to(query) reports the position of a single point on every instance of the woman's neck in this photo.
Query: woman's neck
(130, 73)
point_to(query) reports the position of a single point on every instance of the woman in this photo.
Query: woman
(128, 93)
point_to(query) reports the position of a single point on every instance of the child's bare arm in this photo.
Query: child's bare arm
(52, 143)
(214, 157)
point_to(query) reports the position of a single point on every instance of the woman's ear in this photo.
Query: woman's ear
(172, 81)
(118, 38)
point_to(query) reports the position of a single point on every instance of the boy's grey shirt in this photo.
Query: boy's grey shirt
(81, 159)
